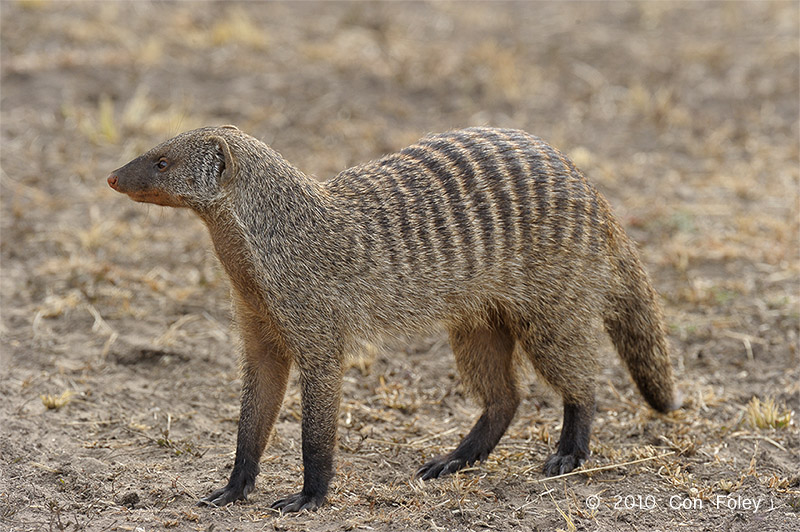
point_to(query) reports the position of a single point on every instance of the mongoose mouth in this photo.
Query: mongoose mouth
(156, 197)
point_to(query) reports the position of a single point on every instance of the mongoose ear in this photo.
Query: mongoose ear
(230, 168)
(229, 126)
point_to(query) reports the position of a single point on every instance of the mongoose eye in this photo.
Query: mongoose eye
(162, 164)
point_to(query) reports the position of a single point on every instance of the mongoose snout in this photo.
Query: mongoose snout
(491, 234)
(142, 184)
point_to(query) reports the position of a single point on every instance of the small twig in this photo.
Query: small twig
(747, 340)
(107, 346)
(45, 467)
(387, 442)
(568, 519)
(93, 422)
(765, 438)
(743, 337)
(619, 396)
(414, 443)
(99, 325)
(603, 468)
(168, 338)
(433, 436)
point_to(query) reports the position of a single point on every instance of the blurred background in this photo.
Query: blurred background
(684, 114)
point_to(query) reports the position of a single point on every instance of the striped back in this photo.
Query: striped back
(476, 198)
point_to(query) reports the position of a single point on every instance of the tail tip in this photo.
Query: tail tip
(675, 404)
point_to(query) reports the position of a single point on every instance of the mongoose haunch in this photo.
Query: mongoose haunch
(491, 233)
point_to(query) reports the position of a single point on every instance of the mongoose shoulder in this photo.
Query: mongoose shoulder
(490, 233)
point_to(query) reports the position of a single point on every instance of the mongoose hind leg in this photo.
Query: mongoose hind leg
(320, 383)
(484, 357)
(265, 374)
(567, 364)
(573, 445)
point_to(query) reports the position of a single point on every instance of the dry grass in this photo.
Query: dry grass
(767, 415)
(54, 402)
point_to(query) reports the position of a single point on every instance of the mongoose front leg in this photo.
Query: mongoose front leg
(320, 381)
(265, 374)
(573, 446)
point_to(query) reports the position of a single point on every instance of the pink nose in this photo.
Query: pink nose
(112, 181)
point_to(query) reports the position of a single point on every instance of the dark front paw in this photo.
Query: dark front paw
(234, 491)
(242, 481)
(297, 502)
(559, 464)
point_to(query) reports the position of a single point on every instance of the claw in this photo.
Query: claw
(559, 464)
(297, 503)
(443, 465)
(224, 496)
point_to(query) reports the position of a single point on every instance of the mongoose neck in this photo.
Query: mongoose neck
(266, 187)
(271, 217)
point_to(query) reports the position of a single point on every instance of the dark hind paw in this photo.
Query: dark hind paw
(297, 502)
(446, 465)
(443, 465)
(559, 464)
(226, 495)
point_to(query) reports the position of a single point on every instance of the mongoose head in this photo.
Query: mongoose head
(189, 170)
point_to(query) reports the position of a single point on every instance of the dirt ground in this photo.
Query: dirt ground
(119, 382)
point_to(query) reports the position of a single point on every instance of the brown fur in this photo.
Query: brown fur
(491, 233)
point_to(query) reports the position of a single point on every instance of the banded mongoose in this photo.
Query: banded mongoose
(491, 233)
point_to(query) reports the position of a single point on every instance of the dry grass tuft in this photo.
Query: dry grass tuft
(767, 415)
(54, 402)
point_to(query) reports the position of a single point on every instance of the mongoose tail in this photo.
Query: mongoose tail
(636, 326)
